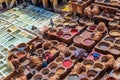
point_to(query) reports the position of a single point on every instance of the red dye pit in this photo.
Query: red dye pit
(67, 63)
(92, 28)
(74, 31)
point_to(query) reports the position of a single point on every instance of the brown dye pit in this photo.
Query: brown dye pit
(59, 60)
(88, 63)
(53, 51)
(60, 70)
(52, 65)
(98, 67)
(104, 59)
(37, 77)
(54, 42)
(91, 73)
(45, 71)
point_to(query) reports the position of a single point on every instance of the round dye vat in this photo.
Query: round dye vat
(78, 39)
(73, 77)
(96, 56)
(89, 23)
(52, 65)
(59, 60)
(103, 46)
(91, 28)
(20, 55)
(115, 51)
(67, 63)
(67, 28)
(88, 66)
(59, 33)
(88, 63)
(37, 77)
(61, 46)
(54, 42)
(74, 31)
(66, 35)
(45, 71)
(110, 39)
(73, 23)
(87, 41)
(117, 41)
(59, 26)
(53, 51)
(114, 33)
(113, 23)
(60, 70)
(110, 78)
(22, 46)
(98, 67)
